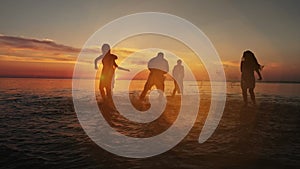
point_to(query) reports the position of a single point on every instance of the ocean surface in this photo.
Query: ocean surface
(39, 129)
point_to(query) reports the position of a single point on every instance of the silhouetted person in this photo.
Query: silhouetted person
(249, 64)
(158, 67)
(108, 70)
(178, 75)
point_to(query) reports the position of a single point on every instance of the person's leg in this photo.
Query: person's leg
(102, 92)
(109, 86)
(144, 92)
(108, 93)
(251, 91)
(244, 86)
(180, 87)
(244, 91)
(175, 88)
(159, 83)
(147, 86)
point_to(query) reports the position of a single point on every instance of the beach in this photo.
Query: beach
(39, 128)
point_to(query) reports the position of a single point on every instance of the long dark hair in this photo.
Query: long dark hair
(250, 59)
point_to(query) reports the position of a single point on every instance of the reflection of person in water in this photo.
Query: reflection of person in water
(178, 74)
(108, 70)
(249, 64)
(158, 66)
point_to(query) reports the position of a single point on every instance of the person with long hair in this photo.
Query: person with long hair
(249, 64)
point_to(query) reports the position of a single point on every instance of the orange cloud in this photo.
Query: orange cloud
(34, 50)
(28, 57)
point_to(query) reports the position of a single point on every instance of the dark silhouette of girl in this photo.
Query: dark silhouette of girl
(249, 64)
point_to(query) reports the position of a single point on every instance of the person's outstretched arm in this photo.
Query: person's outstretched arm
(258, 67)
(121, 68)
(96, 61)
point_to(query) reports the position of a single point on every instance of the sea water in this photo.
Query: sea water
(39, 128)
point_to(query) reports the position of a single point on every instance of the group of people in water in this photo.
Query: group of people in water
(159, 67)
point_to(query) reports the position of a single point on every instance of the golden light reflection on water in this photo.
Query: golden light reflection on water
(167, 118)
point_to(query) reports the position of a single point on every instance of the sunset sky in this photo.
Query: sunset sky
(44, 38)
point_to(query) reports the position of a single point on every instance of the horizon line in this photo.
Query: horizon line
(49, 77)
